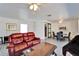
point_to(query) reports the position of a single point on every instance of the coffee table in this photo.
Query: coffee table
(43, 49)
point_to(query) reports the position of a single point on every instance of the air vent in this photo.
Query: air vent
(49, 15)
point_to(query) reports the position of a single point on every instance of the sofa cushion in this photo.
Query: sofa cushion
(26, 39)
(30, 34)
(16, 35)
(31, 38)
(25, 34)
(20, 46)
(17, 40)
(30, 43)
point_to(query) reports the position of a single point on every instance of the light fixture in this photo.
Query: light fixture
(60, 20)
(33, 6)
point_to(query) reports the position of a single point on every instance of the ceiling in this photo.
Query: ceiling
(56, 10)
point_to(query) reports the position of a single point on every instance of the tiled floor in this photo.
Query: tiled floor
(3, 50)
(59, 44)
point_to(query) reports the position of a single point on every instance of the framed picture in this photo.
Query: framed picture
(11, 26)
(62, 28)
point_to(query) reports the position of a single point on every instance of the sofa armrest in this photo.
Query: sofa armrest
(10, 45)
(11, 50)
(36, 38)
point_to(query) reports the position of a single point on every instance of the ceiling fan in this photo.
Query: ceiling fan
(34, 6)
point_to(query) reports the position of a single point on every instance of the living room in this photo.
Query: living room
(12, 16)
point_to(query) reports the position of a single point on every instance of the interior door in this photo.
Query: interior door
(49, 30)
(45, 31)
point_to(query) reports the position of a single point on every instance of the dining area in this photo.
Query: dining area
(59, 36)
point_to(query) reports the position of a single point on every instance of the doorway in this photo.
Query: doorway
(47, 30)
(23, 28)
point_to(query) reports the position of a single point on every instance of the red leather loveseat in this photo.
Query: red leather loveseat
(21, 41)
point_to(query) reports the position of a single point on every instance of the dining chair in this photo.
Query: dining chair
(59, 35)
(68, 36)
(54, 35)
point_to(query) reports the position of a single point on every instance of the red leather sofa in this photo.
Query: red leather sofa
(21, 41)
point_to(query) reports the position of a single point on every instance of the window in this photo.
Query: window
(23, 28)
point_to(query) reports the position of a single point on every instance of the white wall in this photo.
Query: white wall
(39, 29)
(34, 26)
(38, 26)
(3, 22)
(71, 26)
(78, 26)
